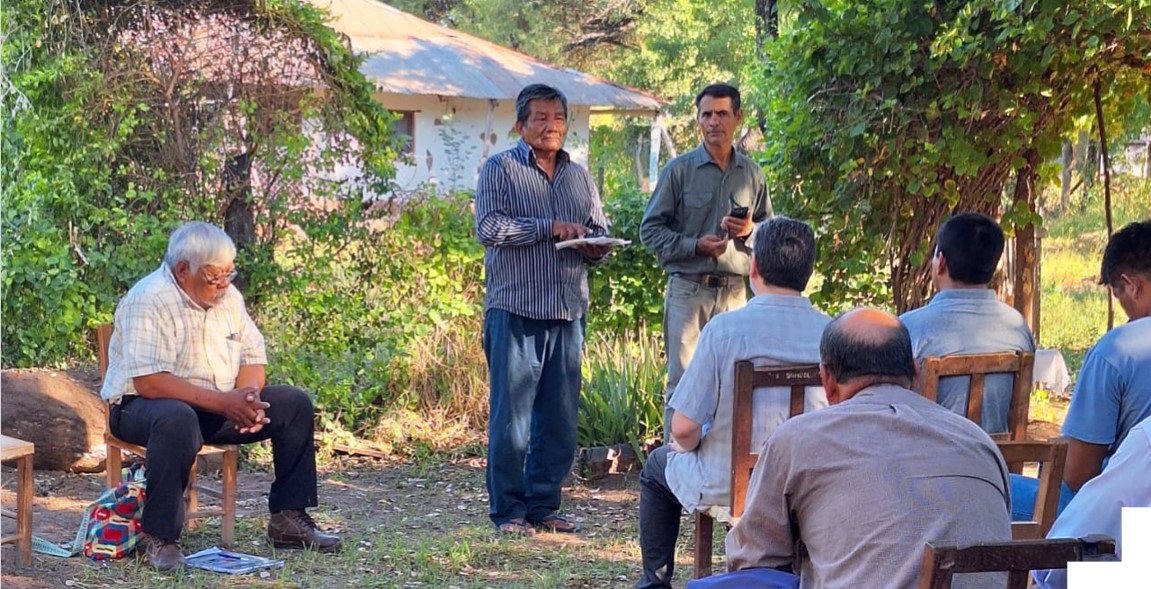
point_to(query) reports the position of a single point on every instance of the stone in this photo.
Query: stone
(60, 412)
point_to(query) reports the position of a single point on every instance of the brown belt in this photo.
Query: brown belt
(712, 280)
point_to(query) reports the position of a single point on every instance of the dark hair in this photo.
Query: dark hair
(784, 252)
(848, 355)
(1128, 252)
(972, 244)
(720, 91)
(537, 92)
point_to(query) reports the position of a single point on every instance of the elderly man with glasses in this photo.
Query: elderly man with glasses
(186, 368)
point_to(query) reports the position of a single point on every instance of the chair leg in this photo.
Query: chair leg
(112, 466)
(228, 525)
(704, 525)
(24, 508)
(191, 495)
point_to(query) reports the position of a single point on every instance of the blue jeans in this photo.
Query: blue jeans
(534, 371)
(1023, 493)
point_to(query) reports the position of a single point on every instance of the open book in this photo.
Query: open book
(601, 240)
(233, 563)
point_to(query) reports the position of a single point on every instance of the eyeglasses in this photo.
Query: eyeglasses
(221, 279)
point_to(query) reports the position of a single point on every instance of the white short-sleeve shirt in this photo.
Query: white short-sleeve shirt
(159, 328)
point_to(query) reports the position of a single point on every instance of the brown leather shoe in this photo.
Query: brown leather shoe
(162, 555)
(294, 528)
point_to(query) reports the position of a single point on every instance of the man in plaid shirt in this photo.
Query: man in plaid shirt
(186, 368)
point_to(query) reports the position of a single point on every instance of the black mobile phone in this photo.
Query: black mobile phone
(736, 210)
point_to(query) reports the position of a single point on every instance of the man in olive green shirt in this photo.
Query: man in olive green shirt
(698, 221)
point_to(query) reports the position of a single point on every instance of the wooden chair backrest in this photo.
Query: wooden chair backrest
(1051, 456)
(747, 379)
(978, 366)
(103, 337)
(1017, 557)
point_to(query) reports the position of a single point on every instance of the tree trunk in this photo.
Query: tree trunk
(766, 27)
(1147, 161)
(1065, 176)
(240, 215)
(1025, 245)
(640, 175)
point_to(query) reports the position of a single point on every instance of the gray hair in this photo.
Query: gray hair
(537, 92)
(199, 244)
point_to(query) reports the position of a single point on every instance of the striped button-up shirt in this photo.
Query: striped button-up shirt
(158, 328)
(515, 207)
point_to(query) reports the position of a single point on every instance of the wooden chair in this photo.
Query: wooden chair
(230, 461)
(978, 366)
(1017, 557)
(22, 452)
(1051, 457)
(743, 456)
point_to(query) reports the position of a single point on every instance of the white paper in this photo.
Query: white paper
(223, 561)
(601, 240)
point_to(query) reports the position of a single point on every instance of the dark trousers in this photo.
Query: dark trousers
(534, 369)
(173, 432)
(659, 513)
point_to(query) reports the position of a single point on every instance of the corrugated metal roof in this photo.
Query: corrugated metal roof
(409, 55)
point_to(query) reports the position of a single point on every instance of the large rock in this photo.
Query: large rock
(58, 411)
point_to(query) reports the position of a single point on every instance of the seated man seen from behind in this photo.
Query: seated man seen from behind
(850, 495)
(1113, 389)
(777, 327)
(965, 317)
(186, 368)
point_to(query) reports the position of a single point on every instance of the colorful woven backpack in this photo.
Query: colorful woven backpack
(110, 527)
(113, 520)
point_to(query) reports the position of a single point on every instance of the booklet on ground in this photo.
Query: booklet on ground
(601, 240)
(233, 563)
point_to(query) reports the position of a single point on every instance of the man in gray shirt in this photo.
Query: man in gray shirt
(698, 221)
(849, 495)
(964, 317)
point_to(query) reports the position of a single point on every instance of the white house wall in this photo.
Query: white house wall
(449, 142)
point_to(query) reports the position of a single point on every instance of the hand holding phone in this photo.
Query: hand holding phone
(737, 210)
(738, 222)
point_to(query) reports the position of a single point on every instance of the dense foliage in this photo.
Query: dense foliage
(884, 116)
(124, 119)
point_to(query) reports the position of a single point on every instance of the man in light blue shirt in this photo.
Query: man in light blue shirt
(1113, 391)
(777, 327)
(965, 317)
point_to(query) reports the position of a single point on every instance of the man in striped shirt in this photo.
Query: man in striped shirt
(527, 198)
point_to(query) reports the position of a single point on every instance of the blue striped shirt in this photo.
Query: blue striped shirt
(515, 207)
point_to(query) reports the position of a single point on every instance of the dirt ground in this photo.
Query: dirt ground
(369, 502)
(360, 498)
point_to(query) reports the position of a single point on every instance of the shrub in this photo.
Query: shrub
(390, 323)
(623, 385)
(626, 290)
